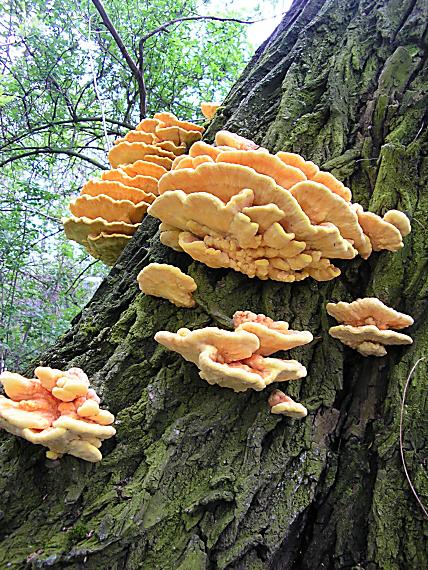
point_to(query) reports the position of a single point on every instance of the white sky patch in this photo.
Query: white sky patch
(271, 11)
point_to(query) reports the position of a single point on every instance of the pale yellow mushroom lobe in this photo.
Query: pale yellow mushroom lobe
(168, 282)
(366, 325)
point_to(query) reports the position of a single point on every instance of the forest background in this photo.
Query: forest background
(66, 92)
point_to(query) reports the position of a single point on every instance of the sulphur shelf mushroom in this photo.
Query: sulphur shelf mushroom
(209, 109)
(271, 216)
(168, 282)
(109, 209)
(282, 404)
(366, 325)
(238, 359)
(56, 409)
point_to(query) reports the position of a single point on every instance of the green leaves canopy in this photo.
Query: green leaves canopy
(66, 93)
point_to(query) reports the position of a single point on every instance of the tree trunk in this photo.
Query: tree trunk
(199, 477)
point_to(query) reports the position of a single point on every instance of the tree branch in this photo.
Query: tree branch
(48, 150)
(80, 275)
(132, 66)
(138, 71)
(187, 18)
(65, 122)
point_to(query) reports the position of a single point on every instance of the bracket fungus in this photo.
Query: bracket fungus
(272, 335)
(366, 325)
(110, 208)
(235, 205)
(280, 403)
(168, 282)
(56, 409)
(238, 359)
(384, 233)
(209, 109)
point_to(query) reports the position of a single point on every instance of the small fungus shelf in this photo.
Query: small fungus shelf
(366, 325)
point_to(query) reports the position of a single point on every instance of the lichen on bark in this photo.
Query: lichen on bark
(199, 477)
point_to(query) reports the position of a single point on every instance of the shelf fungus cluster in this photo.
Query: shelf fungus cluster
(366, 325)
(240, 359)
(109, 209)
(56, 409)
(168, 282)
(235, 205)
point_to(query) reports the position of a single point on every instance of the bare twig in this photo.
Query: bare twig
(409, 377)
(131, 64)
(25, 208)
(97, 92)
(80, 275)
(49, 150)
(138, 70)
(31, 245)
(75, 121)
(164, 27)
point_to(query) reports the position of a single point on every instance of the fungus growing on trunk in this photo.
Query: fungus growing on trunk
(294, 221)
(229, 359)
(237, 359)
(109, 209)
(280, 403)
(368, 311)
(366, 325)
(56, 409)
(168, 282)
(384, 234)
(226, 138)
(272, 335)
(209, 109)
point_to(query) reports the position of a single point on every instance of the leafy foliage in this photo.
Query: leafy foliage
(66, 93)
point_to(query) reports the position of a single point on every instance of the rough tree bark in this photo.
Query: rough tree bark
(199, 477)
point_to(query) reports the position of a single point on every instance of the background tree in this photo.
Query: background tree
(66, 93)
(199, 477)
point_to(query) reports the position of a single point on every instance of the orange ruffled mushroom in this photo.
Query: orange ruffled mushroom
(293, 222)
(109, 209)
(368, 340)
(168, 282)
(229, 359)
(263, 234)
(226, 138)
(56, 409)
(366, 325)
(384, 234)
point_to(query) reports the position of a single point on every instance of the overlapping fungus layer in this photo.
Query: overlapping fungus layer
(366, 325)
(239, 359)
(280, 217)
(110, 208)
(56, 409)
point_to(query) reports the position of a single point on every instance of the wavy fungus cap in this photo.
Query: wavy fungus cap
(368, 311)
(56, 409)
(282, 404)
(168, 282)
(226, 138)
(273, 335)
(107, 247)
(368, 340)
(229, 359)
(209, 109)
(383, 234)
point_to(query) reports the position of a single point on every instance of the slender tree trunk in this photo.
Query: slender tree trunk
(199, 477)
